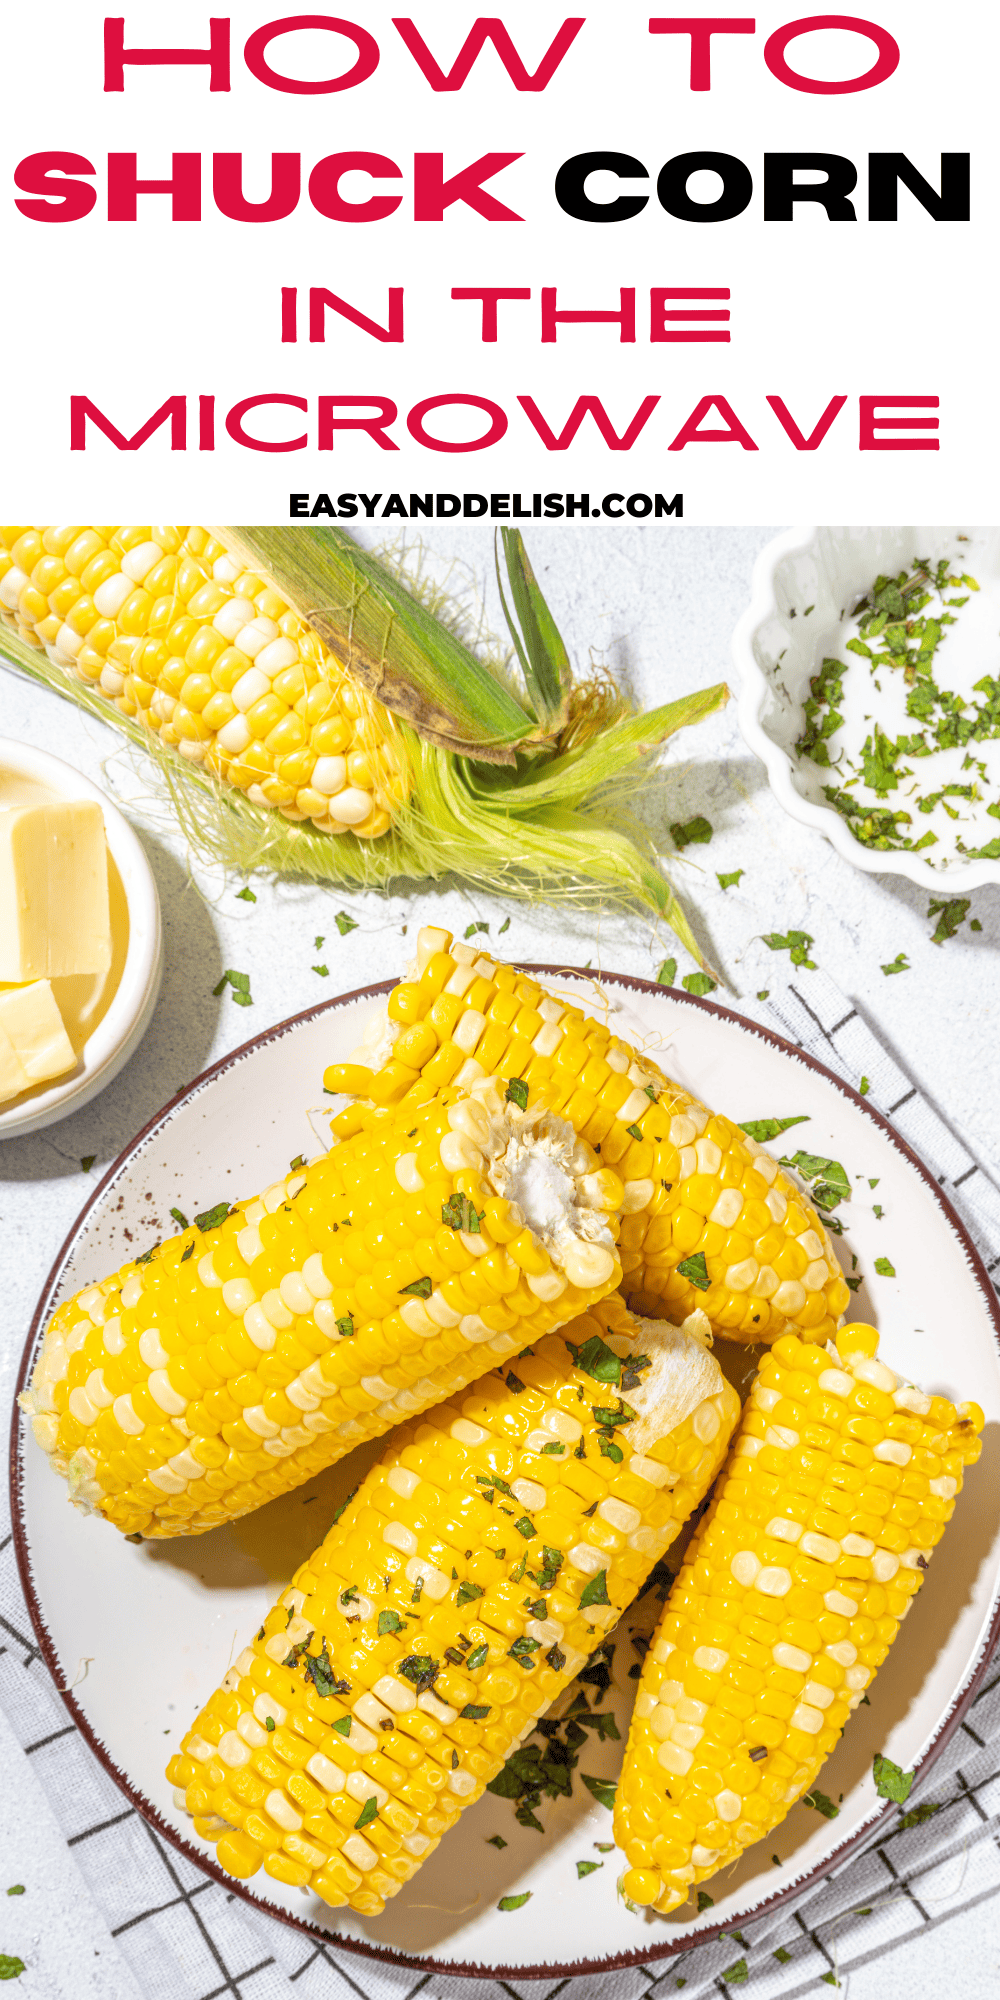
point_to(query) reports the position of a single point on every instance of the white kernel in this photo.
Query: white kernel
(822, 1548)
(682, 1131)
(892, 1451)
(710, 1659)
(857, 1545)
(836, 1382)
(402, 1482)
(843, 1652)
(686, 1735)
(790, 1297)
(809, 1720)
(774, 1582)
(838, 1602)
(745, 1568)
(466, 1432)
(250, 1730)
(617, 1513)
(126, 1417)
(266, 1709)
(782, 1530)
(399, 1536)
(249, 1245)
(360, 1852)
(561, 1425)
(408, 1174)
(776, 1204)
(728, 1805)
(817, 1695)
(648, 1469)
(395, 1694)
(709, 1156)
(259, 1329)
(857, 1678)
(233, 1750)
(132, 1291)
(875, 1373)
(326, 1772)
(587, 1559)
(282, 1812)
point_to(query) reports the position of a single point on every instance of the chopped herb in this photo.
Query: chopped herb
(764, 993)
(605, 1725)
(729, 881)
(146, 1255)
(212, 1218)
(240, 983)
(864, 1087)
(525, 1527)
(515, 1902)
(667, 973)
(472, 929)
(323, 970)
(454, 1760)
(915, 1817)
(269, 1724)
(318, 942)
(798, 944)
(477, 1658)
(10, 1968)
(884, 1268)
(189, 1252)
(344, 923)
(319, 1670)
(421, 1288)
(695, 1270)
(181, 1219)
(556, 1659)
(494, 1839)
(634, 1131)
(342, 1725)
(829, 1979)
(603, 1790)
(821, 1804)
(467, 1591)
(458, 1212)
(890, 1781)
(587, 1868)
(88, 1161)
(757, 1753)
(369, 1811)
(736, 1975)
(899, 964)
(420, 1670)
(245, 896)
(389, 1621)
(505, 926)
(551, 1450)
(831, 1184)
(515, 1385)
(692, 832)
(470, 1713)
(597, 1360)
(522, 1651)
(762, 1129)
(345, 1327)
(854, 1284)
(517, 1092)
(781, 1954)
(16, 1889)
(878, 1211)
(609, 1449)
(705, 1901)
(418, 1589)
(596, 1591)
(698, 983)
(975, 924)
(951, 911)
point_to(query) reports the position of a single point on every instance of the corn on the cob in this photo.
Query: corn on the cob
(240, 1357)
(710, 1221)
(791, 1593)
(212, 660)
(459, 1593)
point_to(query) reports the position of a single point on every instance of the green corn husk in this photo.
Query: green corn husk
(549, 817)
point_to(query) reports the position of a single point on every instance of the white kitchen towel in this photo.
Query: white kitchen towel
(187, 1938)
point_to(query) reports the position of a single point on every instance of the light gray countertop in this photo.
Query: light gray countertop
(658, 606)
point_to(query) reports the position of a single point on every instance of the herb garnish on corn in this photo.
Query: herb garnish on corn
(459, 1593)
(838, 1487)
(710, 1221)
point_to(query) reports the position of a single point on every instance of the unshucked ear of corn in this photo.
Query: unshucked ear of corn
(310, 714)
(234, 1361)
(463, 1588)
(710, 1223)
(838, 1488)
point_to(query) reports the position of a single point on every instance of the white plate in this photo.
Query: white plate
(121, 1026)
(160, 1624)
(823, 572)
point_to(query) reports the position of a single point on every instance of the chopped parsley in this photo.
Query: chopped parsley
(864, 1087)
(467, 1592)
(705, 1901)
(10, 1968)
(915, 1817)
(596, 1591)
(369, 1811)
(471, 1713)
(597, 1360)
(695, 1270)
(729, 881)
(783, 1957)
(240, 984)
(458, 1212)
(517, 1388)
(798, 944)
(88, 1161)
(477, 1658)
(495, 1839)
(899, 964)
(890, 1781)
(323, 970)
(517, 1092)
(211, 1218)
(319, 1670)
(189, 1252)
(587, 1868)
(634, 1131)
(472, 929)
(522, 1651)
(951, 911)
(181, 1219)
(515, 1902)
(667, 973)
(763, 1129)
(245, 896)
(736, 1975)
(505, 926)
(526, 1528)
(884, 1268)
(345, 1327)
(269, 1724)
(421, 1288)
(821, 1804)
(420, 1670)
(830, 1184)
(342, 1725)
(692, 832)
(345, 923)
(603, 1789)
(389, 1621)
(698, 983)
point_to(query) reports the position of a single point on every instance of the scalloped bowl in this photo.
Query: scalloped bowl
(776, 649)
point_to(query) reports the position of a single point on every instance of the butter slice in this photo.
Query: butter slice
(54, 916)
(34, 1044)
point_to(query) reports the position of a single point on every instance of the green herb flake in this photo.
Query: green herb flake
(783, 1957)
(596, 1591)
(245, 895)
(951, 911)
(736, 1975)
(890, 1781)
(181, 1219)
(10, 1968)
(88, 1161)
(634, 1131)
(389, 1621)
(899, 964)
(667, 973)
(698, 983)
(587, 1868)
(420, 1670)
(764, 993)
(603, 1790)
(884, 1268)
(189, 1252)
(705, 1901)
(369, 1811)
(915, 1817)
(829, 1979)
(695, 1270)
(729, 881)
(525, 1527)
(763, 1129)
(342, 1726)
(477, 1659)
(472, 929)
(821, 1804)
(345, 1327)
(864, 1087)
(318, 943)
(692, 832)
(517, 1092)
(798, 944)
(597, 1360)
(472, 1713)
(344, 923)
(323, 970)
(515, 1902)
(467, 1592)
(16, 1889)
(495, 1839)
(421, 1288)
(270, 1724)
(458, 1212)
(212, 1218)
(240, 984)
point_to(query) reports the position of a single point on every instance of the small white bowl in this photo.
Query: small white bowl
(777, 649)
(130, 1011)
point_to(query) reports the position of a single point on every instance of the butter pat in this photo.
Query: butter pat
(34, 1044)
(54, 918)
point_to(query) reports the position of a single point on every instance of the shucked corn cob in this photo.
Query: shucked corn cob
(237, 1359)
(791, 1593)
(460, 1592)
(710, 1221)
(212, 660)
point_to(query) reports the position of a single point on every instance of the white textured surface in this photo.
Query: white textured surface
(659, 607)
